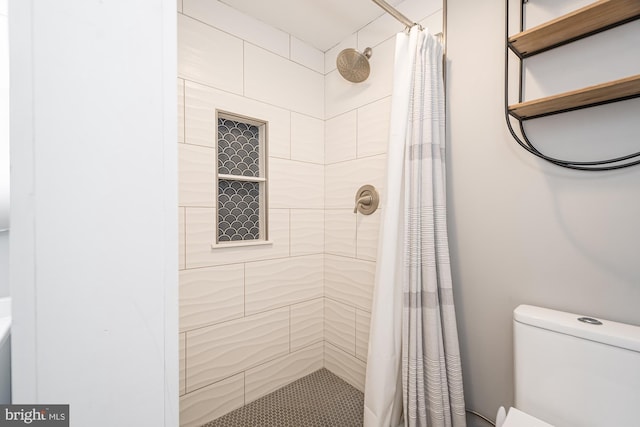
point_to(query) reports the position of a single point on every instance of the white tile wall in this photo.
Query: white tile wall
(230, 20)
(340, 138)
(218, 351)
(248, 314)
(368, 228)
(307, 323)
(294, 184)
(211, 295)
(363, 320)
(196, 176)
(282, 282)
(181, 239)
(209, 56)
(349, 280)
(340, 232)
(200, 234)
(340, 325)
(307, 55)
(347, 367)
(183, 359)
(277, 81)
(180, 110)
(373, 127)
(343, 179)
(307, 231)
(307, 139)
(211, 402)
(201, 103)
(270, 376)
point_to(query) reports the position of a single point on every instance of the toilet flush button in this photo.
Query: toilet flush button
(589, 320)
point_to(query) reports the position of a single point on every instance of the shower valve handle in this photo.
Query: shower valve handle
(367, 200)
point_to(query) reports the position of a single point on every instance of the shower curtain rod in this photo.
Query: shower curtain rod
(395, 13)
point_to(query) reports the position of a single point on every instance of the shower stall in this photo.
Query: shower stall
(260, 312)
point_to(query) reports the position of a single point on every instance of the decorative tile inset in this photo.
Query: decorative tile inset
(238, 210)
(238, 148)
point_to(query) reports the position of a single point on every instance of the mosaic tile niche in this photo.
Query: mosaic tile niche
(241, 180)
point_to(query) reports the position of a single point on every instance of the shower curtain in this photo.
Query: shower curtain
(413, 369)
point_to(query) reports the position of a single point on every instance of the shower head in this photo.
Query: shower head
(353, 65)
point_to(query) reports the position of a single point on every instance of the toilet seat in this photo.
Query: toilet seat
(517, 418)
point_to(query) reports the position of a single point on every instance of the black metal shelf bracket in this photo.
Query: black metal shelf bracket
(520, 135)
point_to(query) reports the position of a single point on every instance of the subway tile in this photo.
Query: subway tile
(209, 56)
(270, 376)
(373, 128)
(276, 283)
(307, 231)
(204, 405)
(196, 176)
(295, 184)
(181, 239)
(232, 21)
(307, 139)
(211, 295)
(201, 233)
(307, 323)
(331, 55)
(347, 367)
(180, 110)
(183, 360)
(225, 349)
(342, 180)
(363, 320)
(307, 55)
(340, 325)
(368, 230)
(278, 81)
(340, 232)
(201, 103)
(349, 280)
(340, 138)
(342, 96)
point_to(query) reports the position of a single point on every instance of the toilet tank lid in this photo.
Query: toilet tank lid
(611, 333)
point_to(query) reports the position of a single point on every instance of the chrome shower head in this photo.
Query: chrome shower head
(353, 65)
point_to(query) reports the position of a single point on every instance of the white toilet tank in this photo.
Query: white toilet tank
(575, 374)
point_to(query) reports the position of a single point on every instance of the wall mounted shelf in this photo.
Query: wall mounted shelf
(603, 93)
(587, 21)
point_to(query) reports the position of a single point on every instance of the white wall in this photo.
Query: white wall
(522, 230)
(93, 240)
(4, 150)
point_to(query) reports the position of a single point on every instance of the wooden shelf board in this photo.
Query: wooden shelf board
(588, 20)
(626, 88)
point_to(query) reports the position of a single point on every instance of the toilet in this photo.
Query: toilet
(573, 371)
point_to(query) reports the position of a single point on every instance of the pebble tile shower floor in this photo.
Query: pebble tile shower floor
(320, 399)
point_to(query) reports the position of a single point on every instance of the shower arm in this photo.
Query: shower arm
(395, 13)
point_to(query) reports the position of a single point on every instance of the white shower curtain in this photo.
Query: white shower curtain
(413, 369)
